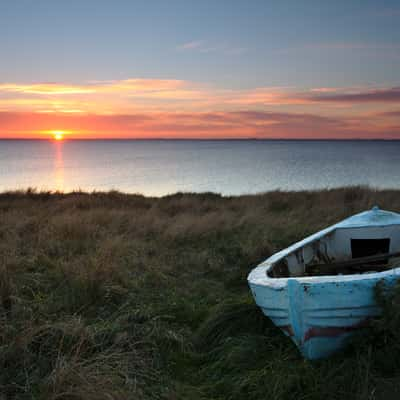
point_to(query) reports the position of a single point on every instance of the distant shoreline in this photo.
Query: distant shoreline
(205, 140)
(35, 192)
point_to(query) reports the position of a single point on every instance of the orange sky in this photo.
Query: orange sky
(160, 108)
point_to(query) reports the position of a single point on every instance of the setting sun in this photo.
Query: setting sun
(58, 135)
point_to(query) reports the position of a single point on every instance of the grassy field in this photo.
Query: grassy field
(114, 296)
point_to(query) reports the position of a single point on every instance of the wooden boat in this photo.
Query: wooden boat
(321, 289)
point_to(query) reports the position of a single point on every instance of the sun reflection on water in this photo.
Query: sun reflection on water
(59, 166)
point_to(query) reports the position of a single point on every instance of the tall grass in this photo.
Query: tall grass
(116, 296)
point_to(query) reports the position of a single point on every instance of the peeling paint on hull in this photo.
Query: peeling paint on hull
(335, 331)
(320, 319)
(320, 313)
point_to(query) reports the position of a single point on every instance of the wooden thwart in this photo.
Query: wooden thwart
(361, 264)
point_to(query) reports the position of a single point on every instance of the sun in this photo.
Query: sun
(58, 135)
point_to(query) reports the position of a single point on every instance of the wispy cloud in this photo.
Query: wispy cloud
(204, 47)
(177, 108)
(146, 85)
(392, 113)
(195, 44)
(388, 95)
(101, 96)
(324, 90)
(120, 96)
(45, 88)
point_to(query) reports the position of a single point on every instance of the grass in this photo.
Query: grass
(116, 296)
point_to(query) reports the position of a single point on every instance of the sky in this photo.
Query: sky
(200, 69)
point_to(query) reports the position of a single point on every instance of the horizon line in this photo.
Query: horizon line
(201, 139)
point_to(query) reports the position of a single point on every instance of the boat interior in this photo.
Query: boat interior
(342, 251)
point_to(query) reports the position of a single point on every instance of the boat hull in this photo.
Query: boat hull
(320, 315)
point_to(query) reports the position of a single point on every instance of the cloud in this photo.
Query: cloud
(389, 95)
(49, 89)
(45, 88)
(114, 96)
(266, 96)
(142, 94)
(324, 90)
(203, 47)
(392, 113)
(195, 44)
(232, 124)
(157, 95)
(168, 108)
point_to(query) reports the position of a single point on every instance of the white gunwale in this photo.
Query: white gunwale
(375, 218)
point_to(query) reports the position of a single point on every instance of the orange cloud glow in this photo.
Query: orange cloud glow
(148, 108)
(233, 124)
(44, 89)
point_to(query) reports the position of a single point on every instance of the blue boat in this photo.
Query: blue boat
(321, 289)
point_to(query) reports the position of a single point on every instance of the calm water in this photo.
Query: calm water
(228, 167)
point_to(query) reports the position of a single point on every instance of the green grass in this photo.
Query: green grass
(115, 296)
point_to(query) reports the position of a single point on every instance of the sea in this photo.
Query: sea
(229, 167)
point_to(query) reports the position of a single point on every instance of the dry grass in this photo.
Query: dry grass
(115, 296)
